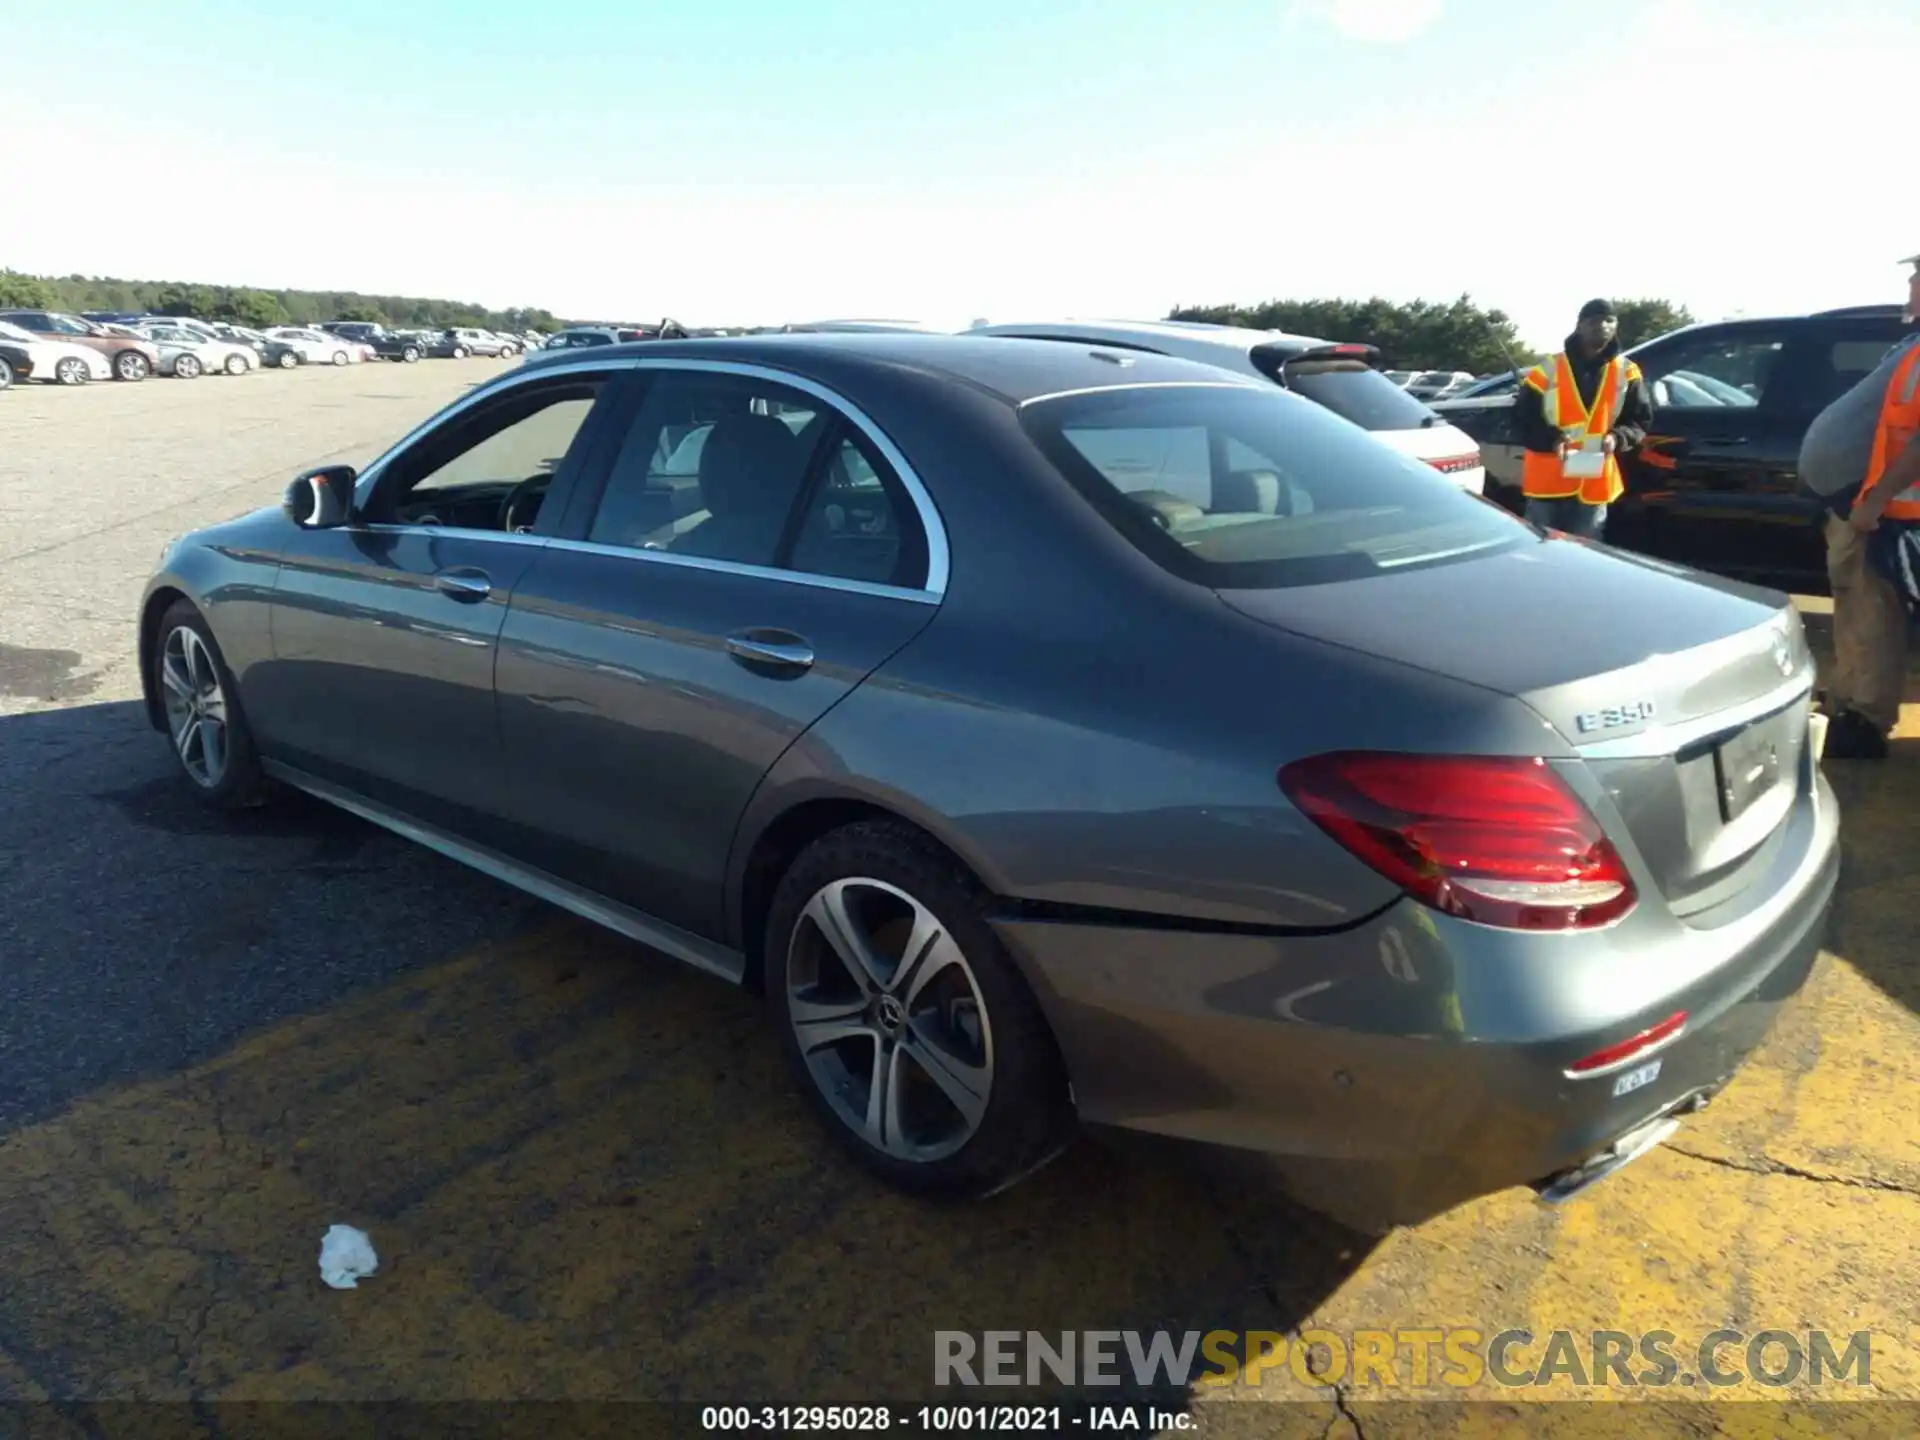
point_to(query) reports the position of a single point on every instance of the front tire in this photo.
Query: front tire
(131, 365)
(459, 352)
(187, 367)
(237, 365)
(6, 373)
(905, 1022)
(288, 360)
(339, 357)
(211, 742)
(72, 371)
(410, 355)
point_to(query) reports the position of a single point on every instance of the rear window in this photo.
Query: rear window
(1351, 389)
(1236, 488)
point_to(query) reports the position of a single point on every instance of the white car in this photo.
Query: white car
(317, 347)
(188, 352)
(58, 361)
(1339, 377)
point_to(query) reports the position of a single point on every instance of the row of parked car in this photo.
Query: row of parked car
(63, 349)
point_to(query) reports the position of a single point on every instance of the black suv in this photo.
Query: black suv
(1716, 486)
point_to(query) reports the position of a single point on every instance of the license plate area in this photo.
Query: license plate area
(1752, 763)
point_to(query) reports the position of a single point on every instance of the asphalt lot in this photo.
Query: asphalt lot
(581, 1164)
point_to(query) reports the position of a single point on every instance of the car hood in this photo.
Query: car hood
(1576, 630)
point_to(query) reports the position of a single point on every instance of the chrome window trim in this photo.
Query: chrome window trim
(1662, 740)
(754, 572)
(659, 557)
(1142, 385)
(939, 562)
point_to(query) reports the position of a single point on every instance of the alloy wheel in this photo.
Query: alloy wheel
(237, 365)
(196, 706)
(186, 368)
(890, 1019)
(131, 365)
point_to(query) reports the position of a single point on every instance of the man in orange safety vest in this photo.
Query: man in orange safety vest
(1861, 458)
(1577, 413)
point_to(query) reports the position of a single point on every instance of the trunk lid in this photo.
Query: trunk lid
(1684, 695)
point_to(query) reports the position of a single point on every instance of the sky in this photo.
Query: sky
(764, 161)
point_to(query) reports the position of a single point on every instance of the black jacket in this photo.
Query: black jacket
(1630, 422)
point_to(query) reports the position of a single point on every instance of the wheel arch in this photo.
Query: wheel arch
(160, 599)
(775, 831)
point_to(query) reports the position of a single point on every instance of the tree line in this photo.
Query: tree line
(257, 308)
(1426, 334)
(1411, 335)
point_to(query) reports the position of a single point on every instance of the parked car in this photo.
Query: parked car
(405, 346)
(1716, 484)
(189, 353)
(128, 359)
(1343, 378)
(580, 337)
(314, 347)
(1033, 793)
(461, 341)
(59, 361)
(276, 354)
(1434, 384)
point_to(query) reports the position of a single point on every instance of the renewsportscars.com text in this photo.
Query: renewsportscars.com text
(1459, 1357)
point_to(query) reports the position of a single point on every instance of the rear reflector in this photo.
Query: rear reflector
(1499, 840)
(1628, 1048)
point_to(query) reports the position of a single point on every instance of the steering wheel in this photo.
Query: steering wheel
(526, 496)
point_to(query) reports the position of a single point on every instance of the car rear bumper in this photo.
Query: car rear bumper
(1383, 1073)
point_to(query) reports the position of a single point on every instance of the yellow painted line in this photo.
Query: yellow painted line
(587, 1177)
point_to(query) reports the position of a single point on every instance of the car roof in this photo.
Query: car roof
(1012, 370)
(1191, 336)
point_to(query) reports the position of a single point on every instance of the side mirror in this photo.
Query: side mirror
(321, 499)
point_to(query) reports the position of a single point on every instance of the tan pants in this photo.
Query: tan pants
(1869, 631)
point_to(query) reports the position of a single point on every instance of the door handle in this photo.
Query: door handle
(781, 649)
(466, 585)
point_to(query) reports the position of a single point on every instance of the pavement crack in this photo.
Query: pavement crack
(1343, 1403)
(1767, 1165)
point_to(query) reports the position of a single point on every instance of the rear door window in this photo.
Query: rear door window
(1828, 358)
(1234, 487)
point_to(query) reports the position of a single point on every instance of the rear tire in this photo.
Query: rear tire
(459, 352)
(72, 371)
(288, 360)
(339, 357)
(211, 742)
(187, 367)
(938, 1020)
(6, 374)
(131, 365)
(410, 355)
(237, 365)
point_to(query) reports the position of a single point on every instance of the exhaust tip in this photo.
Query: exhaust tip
(1559, 1188)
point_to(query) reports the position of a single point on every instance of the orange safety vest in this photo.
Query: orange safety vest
(1899, 426)
(1542, 477)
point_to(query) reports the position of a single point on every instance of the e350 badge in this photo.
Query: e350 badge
(1612, 717)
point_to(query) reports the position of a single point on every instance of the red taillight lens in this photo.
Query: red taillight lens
(1454, 464)
(1495, 839)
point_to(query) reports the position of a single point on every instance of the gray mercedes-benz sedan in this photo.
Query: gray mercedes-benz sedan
(1058, 736)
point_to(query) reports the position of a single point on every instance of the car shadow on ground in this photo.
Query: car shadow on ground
(583, 1165)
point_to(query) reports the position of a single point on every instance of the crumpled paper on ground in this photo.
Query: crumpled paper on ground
(346, 1257)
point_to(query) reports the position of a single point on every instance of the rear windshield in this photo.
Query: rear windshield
(1236, 487)
(1352, 389)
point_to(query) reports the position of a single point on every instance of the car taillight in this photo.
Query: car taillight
(1454, 464)
(1494, 839)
